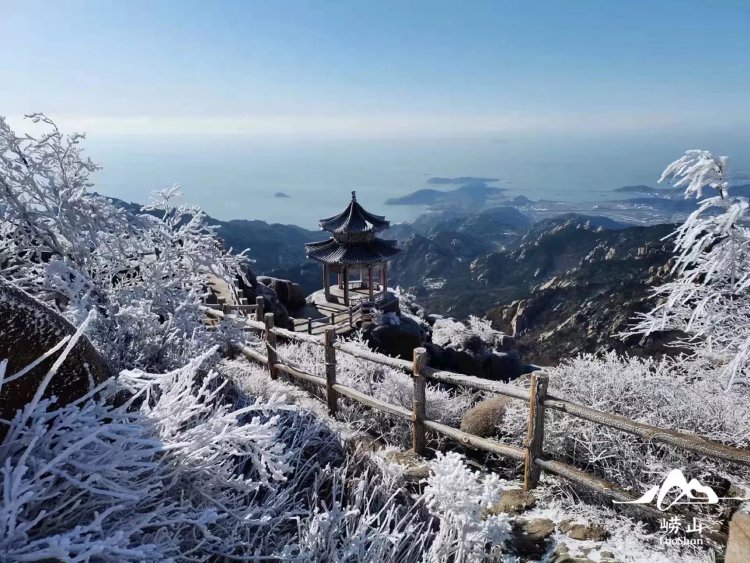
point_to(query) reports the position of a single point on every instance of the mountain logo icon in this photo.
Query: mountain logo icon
(692, 492)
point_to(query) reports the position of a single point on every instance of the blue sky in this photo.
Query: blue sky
(378, 69)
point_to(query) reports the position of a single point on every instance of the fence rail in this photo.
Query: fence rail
(346, 317)
(532, 452)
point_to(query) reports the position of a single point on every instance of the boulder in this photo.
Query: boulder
(463, 362)
(739, 538)
(389, 304)
(30, 328)
(252, 289)
(484, 418)
(469, 342)
(514, 501)
(291, 294)
(437, 355)
(537, 528)
(520, 322)
(502, 366)
(431, 318)
(396, 340)
(504, 342)
(531, 539)
(414, 467)
(584, 532)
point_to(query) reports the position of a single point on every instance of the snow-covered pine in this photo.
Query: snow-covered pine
(708, 299)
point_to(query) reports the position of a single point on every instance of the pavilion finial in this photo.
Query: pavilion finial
(354, 195)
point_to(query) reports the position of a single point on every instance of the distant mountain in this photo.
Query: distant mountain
(272, 245)
(587, 285)
(586, 221)
(640, 189)
(677, 194)
(492, 224)
(462, 180)
(468, 195)
(562, 285)
(426, 196)
(521, 200)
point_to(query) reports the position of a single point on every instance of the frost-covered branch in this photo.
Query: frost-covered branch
(145, 274)
(708, 300)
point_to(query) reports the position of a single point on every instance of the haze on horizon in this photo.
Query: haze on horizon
(343, 90)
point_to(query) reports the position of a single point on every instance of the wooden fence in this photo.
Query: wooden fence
(222, 307)
(539, 400)
(347, 317)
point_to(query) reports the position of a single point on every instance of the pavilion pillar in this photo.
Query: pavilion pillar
(326, 281)
(346, 286)
(369, 280)
(341, 284)
(385, 277)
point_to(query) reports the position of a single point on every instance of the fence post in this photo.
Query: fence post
(535, 435)
(330, 357)
(418, 405)
(270, 344)
(333, 318)
(222, 303)
(260, 310)
(309, 325)
(351, 318)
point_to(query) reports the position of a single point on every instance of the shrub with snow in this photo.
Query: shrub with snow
(678, 393)
(188, 468)
(144, 274)
(462, 499)
(476, 334)
(388, 384)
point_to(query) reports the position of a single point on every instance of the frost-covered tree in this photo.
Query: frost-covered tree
(143, 274)
(709, 298)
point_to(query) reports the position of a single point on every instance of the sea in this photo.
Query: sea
(236, 177)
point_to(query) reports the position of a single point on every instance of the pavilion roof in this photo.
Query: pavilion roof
(354, 219)
(332, 251)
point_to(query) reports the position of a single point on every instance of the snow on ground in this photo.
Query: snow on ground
(629, 540)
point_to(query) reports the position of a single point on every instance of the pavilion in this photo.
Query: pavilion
(354, 247)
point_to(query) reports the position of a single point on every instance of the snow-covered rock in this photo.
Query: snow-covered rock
(31, 329)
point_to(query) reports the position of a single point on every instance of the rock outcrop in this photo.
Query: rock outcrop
(584, 532)
(585, 308)
(456, 347)
(291, 294)
(252, 289)
(561, 286)
(29, 330)
(397, 340)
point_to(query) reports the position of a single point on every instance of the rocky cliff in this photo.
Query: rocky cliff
(562, 286)
(589, 295)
